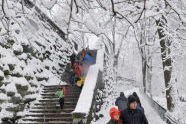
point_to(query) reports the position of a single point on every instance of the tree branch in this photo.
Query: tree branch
(123, 17)
(100, 4)
(113, 9)
(3, 3)
(22, 3)
(144, 8)
(179, 16)
(77, 10)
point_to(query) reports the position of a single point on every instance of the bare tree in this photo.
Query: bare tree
(166, 59)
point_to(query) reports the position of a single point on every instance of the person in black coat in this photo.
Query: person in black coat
(132, 115)
(137, 98)
(139, 106)
(121, 102)
(72, 59)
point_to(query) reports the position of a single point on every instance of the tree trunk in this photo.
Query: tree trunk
(150, 78)
(166, 61)
(144, 68)
(149, 72)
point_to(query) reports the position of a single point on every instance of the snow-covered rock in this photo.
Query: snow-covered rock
(1, 75)
(17, 48)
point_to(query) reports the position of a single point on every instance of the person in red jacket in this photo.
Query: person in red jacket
(78, 70)
(64, 90)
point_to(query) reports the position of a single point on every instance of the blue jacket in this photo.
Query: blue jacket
(89, 58)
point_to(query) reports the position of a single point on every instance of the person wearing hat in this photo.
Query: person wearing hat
(115, 116)
(139, 106)
(132, 115)
(121, 102)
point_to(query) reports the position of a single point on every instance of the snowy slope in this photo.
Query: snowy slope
(30, 55)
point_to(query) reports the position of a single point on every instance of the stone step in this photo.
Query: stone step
(67, 92)
(67, 88)
(47, 115)
(55, 103)
(57, 86)
(53, 95)
(47, 110)
(51, 110)
(51, 122)
(54, 107)
(68, 119)
(57, 100)
(70, 89)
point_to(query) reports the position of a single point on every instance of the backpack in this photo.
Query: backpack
(140, 108)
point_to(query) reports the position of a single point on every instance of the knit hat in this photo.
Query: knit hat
(114, 111)
(131, 99)
(121, 94)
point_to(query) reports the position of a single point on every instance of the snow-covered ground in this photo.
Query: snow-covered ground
(128, 88)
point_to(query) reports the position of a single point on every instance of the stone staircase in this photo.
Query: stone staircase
(47, 110)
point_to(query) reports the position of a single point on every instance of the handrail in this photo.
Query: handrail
(164, 114)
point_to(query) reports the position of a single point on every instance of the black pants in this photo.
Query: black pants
(61, 102)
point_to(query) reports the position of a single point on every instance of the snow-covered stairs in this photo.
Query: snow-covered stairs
(47, 110)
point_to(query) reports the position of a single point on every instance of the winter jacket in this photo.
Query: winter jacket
(115, 122)
(88, 58)
(71, 77)
(72, 59)
(82, 53)
(121, 102)
(80, 82)
(136, 116)
(60, 93)
(78, 71)
(140, 108)
(64, 91)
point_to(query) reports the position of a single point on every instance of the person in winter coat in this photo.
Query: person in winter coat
(139, 106)
(83, 53)
(88, 58)
(80, 82)
(121, 102)
(72, 60)
(115, 116)
(61, 94)
(64, 91)
(71, 77)
(78, 70)
(132, 115)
